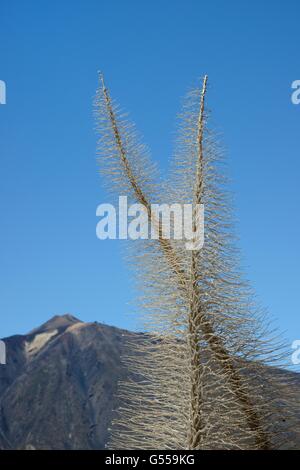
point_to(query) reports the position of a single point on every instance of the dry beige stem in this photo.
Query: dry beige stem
(196, 387)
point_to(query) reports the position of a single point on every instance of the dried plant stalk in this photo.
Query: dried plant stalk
(199, 375)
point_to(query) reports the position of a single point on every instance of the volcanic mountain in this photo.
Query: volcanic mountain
(58, 389)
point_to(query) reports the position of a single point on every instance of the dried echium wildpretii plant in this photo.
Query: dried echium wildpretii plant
(199, 375)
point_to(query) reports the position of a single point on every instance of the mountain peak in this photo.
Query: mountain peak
(57, 322)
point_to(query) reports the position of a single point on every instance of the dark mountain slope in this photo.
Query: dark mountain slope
(58, 388)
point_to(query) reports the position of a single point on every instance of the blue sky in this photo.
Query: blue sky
(151, 53)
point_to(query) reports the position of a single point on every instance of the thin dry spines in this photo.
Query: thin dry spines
(101, 81)
(134, 184)
(196, 318)
(125, 156)
(199, 321)
(200, 131)
(241, 396)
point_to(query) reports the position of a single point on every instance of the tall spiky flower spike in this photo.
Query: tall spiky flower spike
(199, 376)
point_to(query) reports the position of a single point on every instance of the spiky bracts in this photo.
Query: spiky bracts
(199, 375)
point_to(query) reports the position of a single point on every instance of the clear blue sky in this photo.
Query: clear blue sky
(151, 52)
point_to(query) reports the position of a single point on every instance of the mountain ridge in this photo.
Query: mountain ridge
(58, 389)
